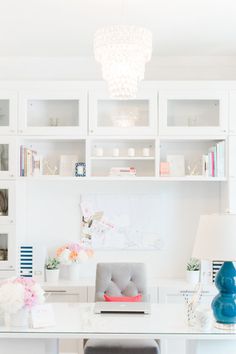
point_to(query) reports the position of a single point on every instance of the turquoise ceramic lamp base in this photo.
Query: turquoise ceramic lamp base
(224, 304)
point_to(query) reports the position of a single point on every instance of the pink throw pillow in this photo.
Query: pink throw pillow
(136, 298)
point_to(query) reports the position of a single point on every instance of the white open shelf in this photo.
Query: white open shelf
(122, 158)
(51, 151)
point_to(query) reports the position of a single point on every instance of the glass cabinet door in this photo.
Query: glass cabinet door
(193, 112)
(7, 248)
(7, 157)
(122, 117)
(7, 202)
(53, 113)
(8, 112)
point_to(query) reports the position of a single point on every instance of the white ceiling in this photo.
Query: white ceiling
(65, 28)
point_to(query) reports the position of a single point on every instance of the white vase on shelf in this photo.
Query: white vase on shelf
(73, 271)
(193, 276)
(18, 319)
(52, 275)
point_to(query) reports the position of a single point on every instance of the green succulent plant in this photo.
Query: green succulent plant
(193, 264)
(52, 263)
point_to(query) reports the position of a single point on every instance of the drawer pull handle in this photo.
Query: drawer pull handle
(55, 291)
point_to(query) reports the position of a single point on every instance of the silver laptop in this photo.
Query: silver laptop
(122, 307)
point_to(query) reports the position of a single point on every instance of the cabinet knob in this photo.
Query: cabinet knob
(91, 131)
(11, 221)
(11, 175)
(12, 131)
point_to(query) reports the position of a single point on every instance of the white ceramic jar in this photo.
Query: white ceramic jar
(115, 152)
(98, 151)
(146, 152)
(131, 152)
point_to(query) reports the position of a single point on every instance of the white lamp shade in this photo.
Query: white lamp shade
(216, 238)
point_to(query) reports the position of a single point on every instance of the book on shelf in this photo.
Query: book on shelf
(213, 163)
(30, 162)
(122, 171)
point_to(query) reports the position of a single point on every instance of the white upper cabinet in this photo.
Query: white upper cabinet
(53, 112)
(193, 112)
(123, 117)
(232, 112)
(8, 112)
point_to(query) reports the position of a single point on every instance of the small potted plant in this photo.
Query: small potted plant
(52, 270)
(193, 271)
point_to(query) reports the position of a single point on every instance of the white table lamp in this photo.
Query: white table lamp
(216, 240)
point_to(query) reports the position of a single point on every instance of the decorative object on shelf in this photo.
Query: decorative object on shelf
(26, 261)
(17, 297)
(3, 254)
(193, 271)
(67, 165)
(131, 152)
(123, 52)
(91, 222)
(215, 239)
(204, 318)
(177, 165)
(146, 152)
(216, 265)
(213, 164)
(4, 157)
(72, 254)
(80, 169)
(52, 270)
(194, 168)
(124, 120)
(3, 202)
(115, 152)
(53, 122)
(122, 172)
(193, 121)
(98, 151)
(38, 165)
(27, 161)
(49, 170)
(192, 300)
(164, 169)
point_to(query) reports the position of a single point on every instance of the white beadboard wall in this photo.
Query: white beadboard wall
(53, 217)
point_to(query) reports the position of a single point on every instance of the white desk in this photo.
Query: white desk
(166, 321)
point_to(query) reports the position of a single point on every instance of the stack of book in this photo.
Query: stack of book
(213, 164)
(30, 162)
(123, 171)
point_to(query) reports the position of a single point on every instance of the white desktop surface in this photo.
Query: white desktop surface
(79, 321)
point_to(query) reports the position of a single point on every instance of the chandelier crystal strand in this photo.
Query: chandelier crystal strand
(123, 52)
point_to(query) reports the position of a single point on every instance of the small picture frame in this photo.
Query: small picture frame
(80, 169)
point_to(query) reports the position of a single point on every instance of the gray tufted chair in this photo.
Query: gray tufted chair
(121, 279)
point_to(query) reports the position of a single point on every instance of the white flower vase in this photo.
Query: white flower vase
(52, 275)
(192, 276)
(73, 271)
(18, 319)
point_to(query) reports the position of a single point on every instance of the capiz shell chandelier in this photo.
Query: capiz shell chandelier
(123, 52)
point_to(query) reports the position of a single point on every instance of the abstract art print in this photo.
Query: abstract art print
(121, 221)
